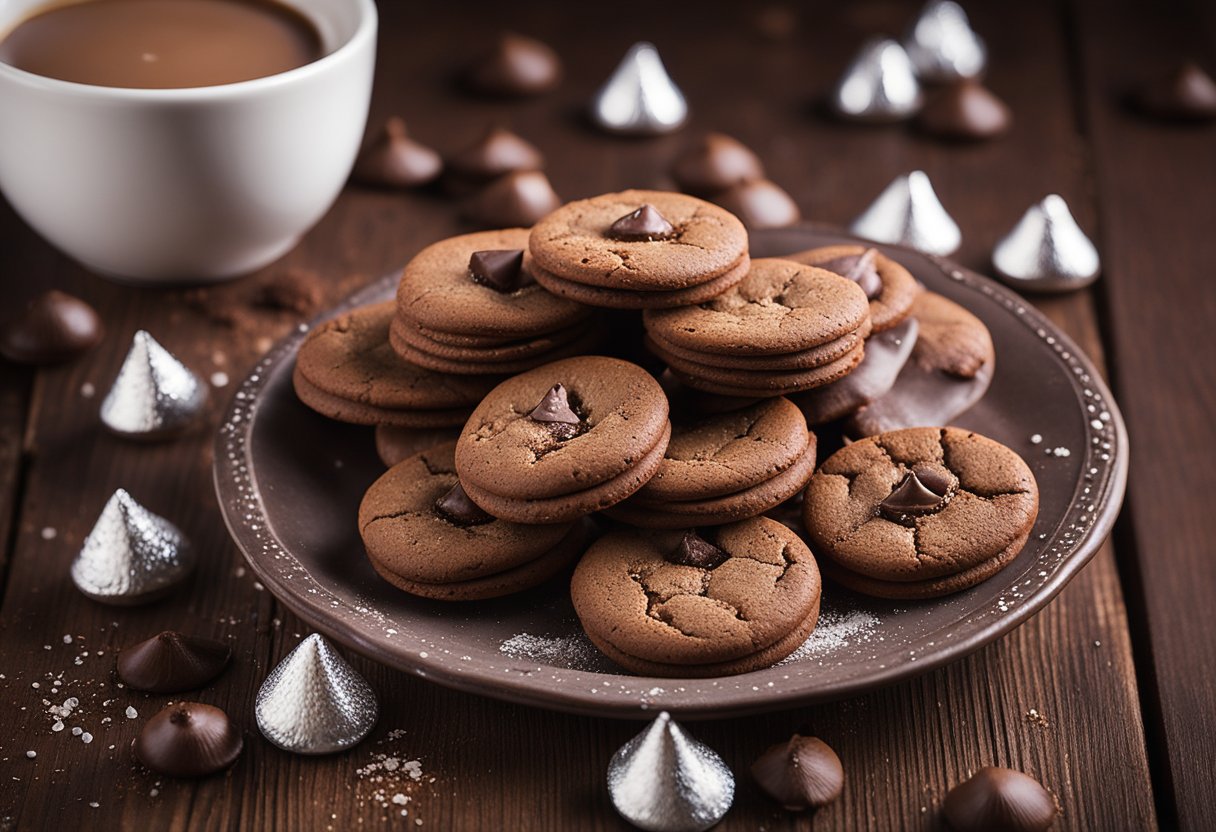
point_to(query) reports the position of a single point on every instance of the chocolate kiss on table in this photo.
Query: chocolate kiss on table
(879, 85)
(694, 550)
(1047, 251)
(517, 199)
(395, 160)
(714, 163)
(456, 507)
(188, 739)
(171, 662)
(921, 491)
(498, 151)
(131, 556)
(515, 66)
(53, 327)
(760, 203)
(499, 269)
(999, 800)
(860, 268)
(801, 773)
(663, 780)
(314, 702)
(1186, 94)
(942, 45)
(965, 110)
(640, 99)
(908, 212)
(555, 413)
(154, 395)
(644, 224)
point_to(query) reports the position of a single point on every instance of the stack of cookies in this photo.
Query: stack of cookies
(683, 462)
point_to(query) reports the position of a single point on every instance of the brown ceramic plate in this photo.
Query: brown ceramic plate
(290, 481)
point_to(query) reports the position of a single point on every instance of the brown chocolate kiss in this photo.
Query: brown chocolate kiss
(922, 490)
(999, 800)
(499, 269)
(965, 110)
(802, 773)
(555, 412)
(171, 662)
(53, 327)
(515, 66)
(760, 204)
(456, 507)
(1186, 94)
(394, 160)
(188, 739)
(715, 163)
(645, 224)
(498, 151)
(695, 550)
(517, 199)
(861, 268)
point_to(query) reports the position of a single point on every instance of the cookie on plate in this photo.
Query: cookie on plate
(949, 370)
(886, 354)
(919, 513)
(564, 440)
(785, 328)
(725, 467)
(638, 250)
(468, 306)
(890, 287)
(347, 371)
(685, 604)
(424, 536)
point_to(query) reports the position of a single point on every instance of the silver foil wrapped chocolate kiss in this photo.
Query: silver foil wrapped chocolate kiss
(154, 395)
(314, 702)
(1047, 251)
(942, 45)
(663, 780)
(909, 213)
(640, 99)
(879, 86)
(131, 556)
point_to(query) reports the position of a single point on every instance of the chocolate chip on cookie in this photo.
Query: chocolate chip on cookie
(948, 370)
(890, 287)
(424, 535)
(727, 467)
(675, 603)
(564, 440)
(919, 513)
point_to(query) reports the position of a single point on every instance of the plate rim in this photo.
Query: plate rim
(231, 468)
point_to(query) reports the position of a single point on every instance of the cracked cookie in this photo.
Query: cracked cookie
(638, 250)
(919, 513)
(948, 371)
(564, 440)
(682, 604)
(424, 536)
(347, 371)
(886, 354)
(784, 328)
(726, 467)
(890, 287)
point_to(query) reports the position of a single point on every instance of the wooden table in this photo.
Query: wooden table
(1106, 696)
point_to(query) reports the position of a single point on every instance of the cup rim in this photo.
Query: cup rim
(365, 31)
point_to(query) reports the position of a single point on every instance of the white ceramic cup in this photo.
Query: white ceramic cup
(155, 186)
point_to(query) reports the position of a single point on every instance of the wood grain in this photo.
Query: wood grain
(499, 766)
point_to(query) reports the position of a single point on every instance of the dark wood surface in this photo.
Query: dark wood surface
(1105, 696)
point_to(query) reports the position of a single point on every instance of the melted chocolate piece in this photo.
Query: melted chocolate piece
(394, 160)
(515, 66)
(862, 269)
(501, 270)
(913, 496)
(965, 110)
(456, 507)
(188, 739)
(802, 773)
(172, 662)
(53, 327)
(645, 224)
(1186, 94)
(999, 798)
(695, 550)
(556, 413)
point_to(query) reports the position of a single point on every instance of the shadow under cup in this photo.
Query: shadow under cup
(164, 186)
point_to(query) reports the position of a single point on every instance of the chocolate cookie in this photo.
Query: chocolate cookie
(564, 440)
(347, 371)
(637, 243)
(678, 604)
(886, 354)
(890, 287)
(948, 371)
(505, 359)
(921, 512)
(723, 468)
(394, 444)
(425, 536)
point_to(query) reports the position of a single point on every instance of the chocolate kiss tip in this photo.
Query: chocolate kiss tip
(694, 550)
(908, 212)
(171, 662)
(498, 269)
(640, 99)
(456, 507)
(1047, 251)
(154, 394)
(555, 407)
(879, 86)
(911, 496)
(395, 160)
(188, 739)
(53, 327)
(941, 44)
(802, 773)
(644, 224)
(999, 798)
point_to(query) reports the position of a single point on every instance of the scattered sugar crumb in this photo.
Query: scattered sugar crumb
(49, 533)
(88, 390)
(834, 631)
(575, 652)
(1035, 717)
(1036, 438)
(31, 754)
(219, 379)
(132, 713)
